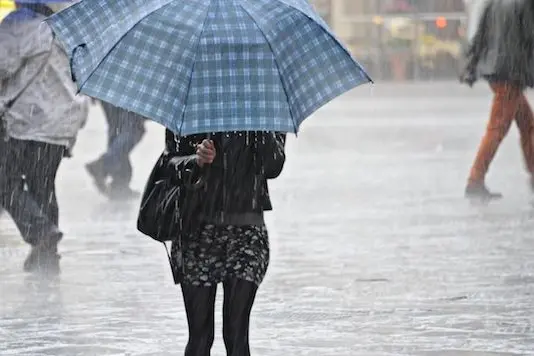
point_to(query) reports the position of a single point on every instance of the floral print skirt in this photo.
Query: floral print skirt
(216, 253)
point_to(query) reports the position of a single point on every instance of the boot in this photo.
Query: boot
(479, 192)
(96, 171)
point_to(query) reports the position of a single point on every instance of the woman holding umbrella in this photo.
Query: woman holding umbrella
(501, 51)
(228, 241)
(227, 79)
(208, 193)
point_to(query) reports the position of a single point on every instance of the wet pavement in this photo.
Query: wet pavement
(374, 250)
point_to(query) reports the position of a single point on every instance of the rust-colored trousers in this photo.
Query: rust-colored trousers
(509, 104)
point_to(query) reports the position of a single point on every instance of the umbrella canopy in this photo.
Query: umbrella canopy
(207, 65)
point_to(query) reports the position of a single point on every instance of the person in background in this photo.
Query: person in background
(401, 30)
(41, 118)
(501, 51)
(125, 131)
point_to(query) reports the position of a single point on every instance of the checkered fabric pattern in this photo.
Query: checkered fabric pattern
(199, 66)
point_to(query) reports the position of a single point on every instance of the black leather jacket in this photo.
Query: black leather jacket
(234, 189)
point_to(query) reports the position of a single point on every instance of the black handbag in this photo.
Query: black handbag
(170, 206)
(158, 216)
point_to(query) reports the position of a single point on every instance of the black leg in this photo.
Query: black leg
(200, 309)
(238, 300)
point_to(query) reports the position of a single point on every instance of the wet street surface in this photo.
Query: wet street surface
(374, 249)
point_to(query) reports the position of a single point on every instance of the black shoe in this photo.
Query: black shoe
(97, 173)
(122, 193)
(479, 192)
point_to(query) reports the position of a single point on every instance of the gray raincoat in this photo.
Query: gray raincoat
(502, 48)
(49, 109)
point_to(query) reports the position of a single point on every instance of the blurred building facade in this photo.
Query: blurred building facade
(401, 39)
(394, 39)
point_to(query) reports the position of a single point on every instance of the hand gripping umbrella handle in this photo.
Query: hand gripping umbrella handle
(205, 170)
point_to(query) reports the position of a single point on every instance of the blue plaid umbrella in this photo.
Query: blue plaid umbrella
(199, 66)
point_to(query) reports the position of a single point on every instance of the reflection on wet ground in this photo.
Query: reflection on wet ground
(374, 250)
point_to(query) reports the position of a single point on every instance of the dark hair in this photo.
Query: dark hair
(38, 8)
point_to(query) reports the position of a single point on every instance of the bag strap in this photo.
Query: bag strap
(171, 263)
(176, 270)
(168, 252)
(12, 102)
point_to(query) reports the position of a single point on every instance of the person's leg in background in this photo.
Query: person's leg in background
(132, 130)
(239, 297)
(97, 168)
(504, 109)
(111, 113)
(200, 309)
(525, 123)
(117, 124)
(125, 130)
(34, 226)
(40, 176)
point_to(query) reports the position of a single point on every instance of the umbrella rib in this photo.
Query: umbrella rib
(295, 127)
(193, 67)
(117, 42)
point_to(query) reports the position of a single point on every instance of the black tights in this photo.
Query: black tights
(200, 309)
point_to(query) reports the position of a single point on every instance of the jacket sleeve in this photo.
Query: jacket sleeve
(11, 61)
(272, 151)
(182, 159)
(17, 51)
